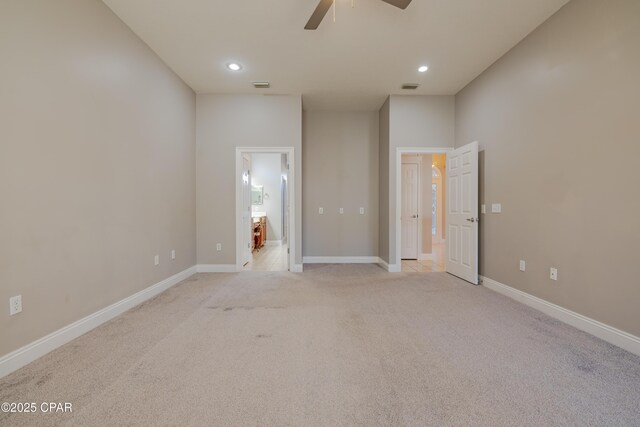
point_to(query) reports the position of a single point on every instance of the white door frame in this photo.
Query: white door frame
(439, 211)
(244, 206)
(416, 161)
(289, 151)
(397, 267)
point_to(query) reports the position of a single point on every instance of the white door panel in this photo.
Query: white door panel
(462, 212)
(409, 212)
(453, 236)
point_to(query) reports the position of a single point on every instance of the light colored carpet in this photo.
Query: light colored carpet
(336, 345)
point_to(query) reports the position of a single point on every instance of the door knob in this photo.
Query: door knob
(414, 216)
(471, 219)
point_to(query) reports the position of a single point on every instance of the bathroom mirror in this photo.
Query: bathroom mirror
(256, 194)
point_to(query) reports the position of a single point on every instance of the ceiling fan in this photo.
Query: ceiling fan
(324, 5)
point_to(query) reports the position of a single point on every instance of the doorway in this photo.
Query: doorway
(264, 204)
(459, 184)
(422, 213)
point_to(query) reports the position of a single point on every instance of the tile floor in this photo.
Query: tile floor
(434, 265)
(269, 258)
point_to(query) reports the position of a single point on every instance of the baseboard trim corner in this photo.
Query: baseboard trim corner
(395, 268)
(612, 335)
(23, 356)
(391, 268)
(296, 268)
(216, 268)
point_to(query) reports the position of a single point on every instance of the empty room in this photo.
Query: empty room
(319, 212)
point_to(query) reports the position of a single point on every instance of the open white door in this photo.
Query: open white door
(409, 211)
(247, 230)
(462, 212)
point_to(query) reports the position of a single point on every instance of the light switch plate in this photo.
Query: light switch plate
(523, 265)
(361, 211)
(553, 273)
(483, 208)
(321, 211)
(341, 210)
(156, 260)
(173, 254)
(219, 247)
(496, 208)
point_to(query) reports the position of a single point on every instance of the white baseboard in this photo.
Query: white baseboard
(340, 260)
(273, 242)
(231, 268)
(393, 268)
(601, 330)
(216, 268)
(351, 260)
(425, 257)
(30, 352)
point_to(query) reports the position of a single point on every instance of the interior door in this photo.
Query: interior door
(409, 211)
(462, 213)
(247, 226)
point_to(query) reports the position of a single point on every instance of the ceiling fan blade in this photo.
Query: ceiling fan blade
(318, 14)
(402, 4)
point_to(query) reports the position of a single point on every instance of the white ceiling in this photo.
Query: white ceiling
(353, 63)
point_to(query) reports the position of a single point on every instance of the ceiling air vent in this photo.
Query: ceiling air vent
(261, 85)
(410, 86)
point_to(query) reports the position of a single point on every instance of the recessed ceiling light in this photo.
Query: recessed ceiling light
(234, 67)
(423, 68)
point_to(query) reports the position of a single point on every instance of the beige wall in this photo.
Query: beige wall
(546, 115)
(223, 123)
(415, 121)
(97, 158)
(383, 182)
(340, 169)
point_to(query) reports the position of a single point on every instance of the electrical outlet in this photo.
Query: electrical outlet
(173, 254)
(321, 211)
(15, 305)
(219, 247)
(483, 209)
(361, 211)
(156, 260)
(341, 210)
(523, 265)
(496, 208)
(553, 273)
